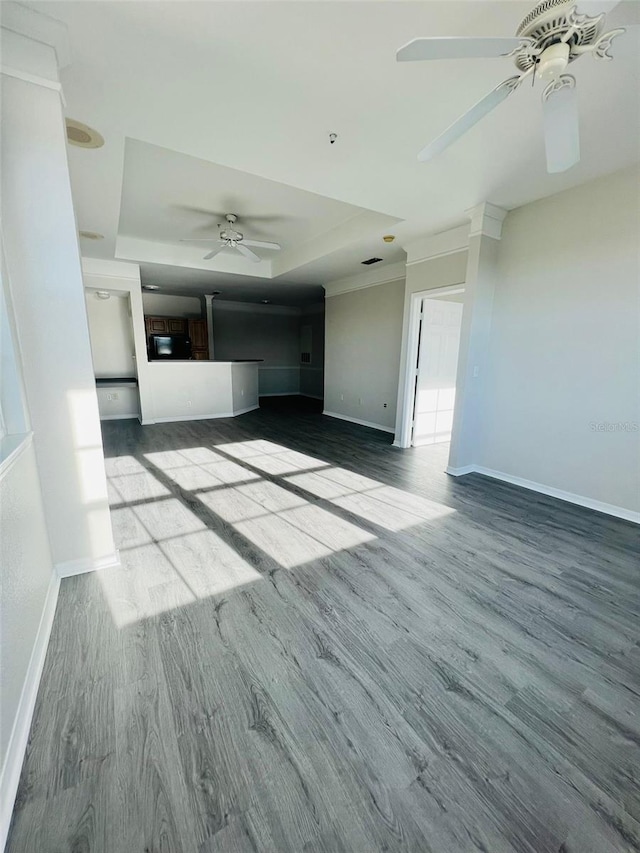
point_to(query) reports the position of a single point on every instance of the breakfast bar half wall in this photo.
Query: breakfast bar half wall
(197, 390)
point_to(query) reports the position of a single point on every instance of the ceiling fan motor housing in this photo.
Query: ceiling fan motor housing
(553, 61)
(229, 233)
(546, 25)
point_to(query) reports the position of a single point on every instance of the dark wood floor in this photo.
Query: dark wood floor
(318, 642)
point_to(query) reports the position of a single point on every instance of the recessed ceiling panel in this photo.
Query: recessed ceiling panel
(169, 198)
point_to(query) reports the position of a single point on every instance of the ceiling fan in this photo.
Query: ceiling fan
(228, 237)
(550, 37)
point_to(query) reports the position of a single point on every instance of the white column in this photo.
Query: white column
(208, 298)
(485, 232)
(43, 263)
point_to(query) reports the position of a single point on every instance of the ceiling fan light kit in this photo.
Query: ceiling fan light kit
(549, 38)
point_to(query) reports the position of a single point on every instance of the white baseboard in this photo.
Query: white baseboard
(119, 417)
(210, 417)
(551, 491)
(359, 422)
(10, 776)
(459, 472)
(84, 565)
(244, 411)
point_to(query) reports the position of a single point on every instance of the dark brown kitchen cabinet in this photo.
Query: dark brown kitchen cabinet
(165, 325)
(197, 330)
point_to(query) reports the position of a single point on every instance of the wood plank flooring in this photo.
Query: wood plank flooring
(318, 642)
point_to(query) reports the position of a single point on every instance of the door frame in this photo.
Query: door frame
(404, 434)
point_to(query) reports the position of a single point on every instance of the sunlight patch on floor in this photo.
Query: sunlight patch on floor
(159, 576)
(386, 506)
(137, 487)
(271, 458)
(168, 518)
(171, 555)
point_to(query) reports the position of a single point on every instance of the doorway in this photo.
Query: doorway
(437, 362)
(417, 372)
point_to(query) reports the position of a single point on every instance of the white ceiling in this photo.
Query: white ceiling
(256, 87)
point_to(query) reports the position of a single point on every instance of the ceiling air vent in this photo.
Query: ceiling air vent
(371, 261)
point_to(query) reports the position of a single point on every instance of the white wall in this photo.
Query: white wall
(26, 571)
(116, 402)
(363, 335)
(191, 390)
(43, 262)
(111, 332)
(244, 387)
(166, 305)
(564, 349)
(28, 580)
(270, 332)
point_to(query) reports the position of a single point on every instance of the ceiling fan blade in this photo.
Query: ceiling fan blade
(213, 253)
(471, 117)
(561, 124)
(200, 240)
(457, 48)
(261, 244)
(248, 253)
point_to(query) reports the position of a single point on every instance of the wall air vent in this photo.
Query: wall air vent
(371, 261)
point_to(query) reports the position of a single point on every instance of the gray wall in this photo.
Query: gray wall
(362, 360)
(312, 374)
(561, 403)
(272, 333)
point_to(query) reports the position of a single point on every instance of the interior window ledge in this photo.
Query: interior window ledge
(11, 449)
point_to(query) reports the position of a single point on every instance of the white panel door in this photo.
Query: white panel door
(436, 374)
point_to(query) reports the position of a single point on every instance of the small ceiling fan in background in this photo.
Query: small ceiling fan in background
(550, 37)
(229, 237)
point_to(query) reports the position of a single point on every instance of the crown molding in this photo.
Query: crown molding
(370, 278)
(110, 269)
(432, 246)
(38, 27)
(254, 308)
(37, 79)
(486, 220)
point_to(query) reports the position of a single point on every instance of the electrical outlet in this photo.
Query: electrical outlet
(342, 396)
(188, 402)
(112, 396)
(242, 392)
(384, 405)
